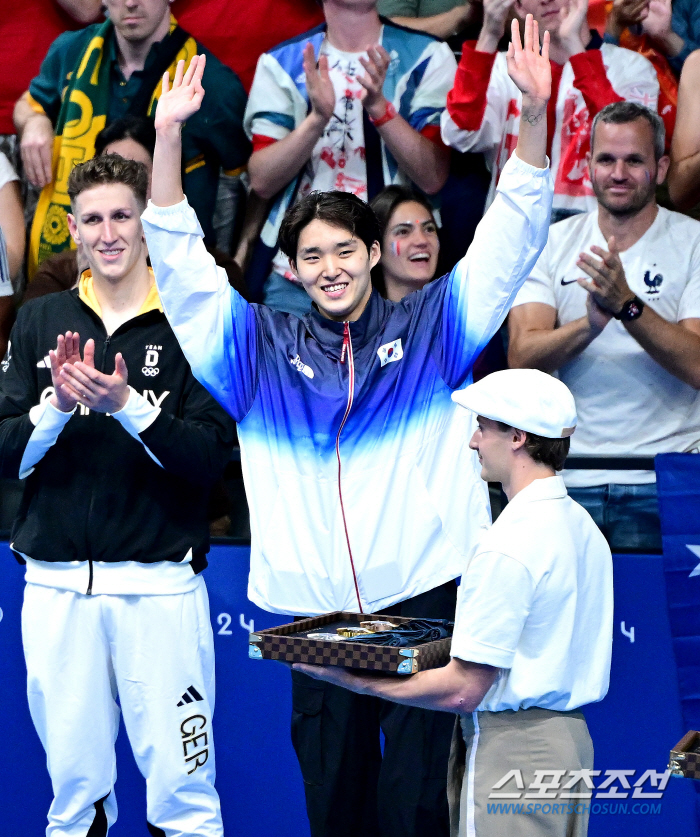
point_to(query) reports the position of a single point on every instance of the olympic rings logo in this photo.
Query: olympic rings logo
(150, 371)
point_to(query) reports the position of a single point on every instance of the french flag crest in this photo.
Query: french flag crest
(390, 352)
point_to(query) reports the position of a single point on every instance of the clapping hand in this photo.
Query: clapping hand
(318, 84)
(376, 65)
(607, 283)
(67, 350)
(572, 18)
(179, 102)
(527, 67)
(80, 382)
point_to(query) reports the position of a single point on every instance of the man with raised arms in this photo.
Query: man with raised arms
(355, 458)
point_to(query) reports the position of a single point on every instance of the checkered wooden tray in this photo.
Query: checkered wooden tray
(288, 643)
(685, 756)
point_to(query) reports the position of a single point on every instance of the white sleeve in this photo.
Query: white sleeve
(137, 415)
(214, 325)
(494, 602)
(482, 286)
(538, 286)
(275, 107)
(48, 422)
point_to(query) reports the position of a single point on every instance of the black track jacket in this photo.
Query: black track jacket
(97, 495)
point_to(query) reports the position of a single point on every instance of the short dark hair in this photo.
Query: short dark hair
(550, 452)
(622, 113)
(137, 128)
(107, 169)
(339, 209)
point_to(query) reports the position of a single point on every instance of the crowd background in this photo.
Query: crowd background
(420, 127)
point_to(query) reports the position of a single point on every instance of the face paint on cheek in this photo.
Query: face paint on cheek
(396, 248)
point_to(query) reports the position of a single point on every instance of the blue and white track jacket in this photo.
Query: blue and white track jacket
(362, 488)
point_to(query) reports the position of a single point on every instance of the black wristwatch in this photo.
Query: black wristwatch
(631, 310)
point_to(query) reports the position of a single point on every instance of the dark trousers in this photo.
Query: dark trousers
(352, 788)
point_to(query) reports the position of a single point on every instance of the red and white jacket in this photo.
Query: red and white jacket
(483, 110)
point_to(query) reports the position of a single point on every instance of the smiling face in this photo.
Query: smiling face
(334, 267)
(495, 447)
(139, 20)
(106, 221)
(410, 250)
(622, 165)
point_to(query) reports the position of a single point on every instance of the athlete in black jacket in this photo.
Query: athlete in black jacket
(120, 445)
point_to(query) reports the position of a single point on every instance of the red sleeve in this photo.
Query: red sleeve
(590, 78)
(466, 102)
(260, 141)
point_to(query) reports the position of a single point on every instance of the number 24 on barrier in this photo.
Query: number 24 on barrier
(224, 621)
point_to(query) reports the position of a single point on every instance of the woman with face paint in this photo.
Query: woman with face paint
(409, 239)
(410, 255)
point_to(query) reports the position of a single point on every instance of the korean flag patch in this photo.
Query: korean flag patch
(390, 352)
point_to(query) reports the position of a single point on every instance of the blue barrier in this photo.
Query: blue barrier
(258, 778)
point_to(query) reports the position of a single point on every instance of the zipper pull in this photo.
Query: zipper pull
(346, 341)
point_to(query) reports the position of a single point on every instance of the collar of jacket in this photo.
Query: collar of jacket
(86, 292)
(329, 333)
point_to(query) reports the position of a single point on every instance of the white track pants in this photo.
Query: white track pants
(156, 654)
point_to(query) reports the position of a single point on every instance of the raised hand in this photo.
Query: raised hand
(96, 390)
(318, 84)
(571, 23)
(530, 69)
(376, 65)
(179, 102)
(67, 351)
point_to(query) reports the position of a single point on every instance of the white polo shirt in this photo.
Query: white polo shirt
(537, 603)
(626, 403)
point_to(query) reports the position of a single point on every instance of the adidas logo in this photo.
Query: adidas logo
(190, 696)
(44, 363)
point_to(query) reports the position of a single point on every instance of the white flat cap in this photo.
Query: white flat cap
(526, 399)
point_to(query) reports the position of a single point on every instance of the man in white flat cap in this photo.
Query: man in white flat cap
(533, 633)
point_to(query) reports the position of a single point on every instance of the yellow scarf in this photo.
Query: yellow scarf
(82, 116)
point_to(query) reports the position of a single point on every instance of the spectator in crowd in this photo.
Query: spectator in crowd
(238, 31)
(13, 238)
(645, 27)
(351, 106)
(653, 18)
(484, 106)
(409, 239)
(410, 257)
(684, 172)
(364, 383)
(625, 337)
(110, 70)
(115, 607)
(27, 30)
(442, 18)
(132, 137)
